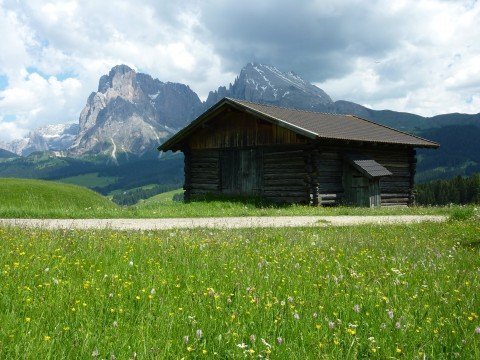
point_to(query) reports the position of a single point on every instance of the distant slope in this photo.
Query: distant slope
(97, 172)
(28, 197)
(459, 153)
(5, 154)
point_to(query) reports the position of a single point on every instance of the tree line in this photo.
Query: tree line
(458, 190)
(133, 196)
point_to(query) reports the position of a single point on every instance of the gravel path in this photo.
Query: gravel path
(225, 223)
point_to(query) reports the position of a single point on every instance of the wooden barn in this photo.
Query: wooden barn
(294, 156)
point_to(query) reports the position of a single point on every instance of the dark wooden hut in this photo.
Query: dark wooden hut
(294, 156)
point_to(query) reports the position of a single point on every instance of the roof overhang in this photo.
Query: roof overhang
(175, 143)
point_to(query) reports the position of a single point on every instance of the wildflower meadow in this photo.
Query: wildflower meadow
(354, 292)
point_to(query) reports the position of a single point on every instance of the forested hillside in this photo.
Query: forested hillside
(458, 190)
(459, 153)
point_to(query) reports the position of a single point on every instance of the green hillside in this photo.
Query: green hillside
(97, 172)
(20, 197)
(458, 155)
(5, 154)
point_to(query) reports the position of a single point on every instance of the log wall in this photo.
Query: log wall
(201, 173)
(285, 175)
(303, 173)
(397, 189)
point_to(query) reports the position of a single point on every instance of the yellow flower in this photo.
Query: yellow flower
(27, 319)
(46, 338)
(399, 350)
(351, 331)
(204, 351)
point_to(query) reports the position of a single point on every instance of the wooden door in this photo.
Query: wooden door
(242, 171)
(360, 190)
(356, 187)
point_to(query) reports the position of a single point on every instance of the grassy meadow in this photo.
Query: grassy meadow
(355, 292)
(27, 198)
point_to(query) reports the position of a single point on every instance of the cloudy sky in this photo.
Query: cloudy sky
(411, 55)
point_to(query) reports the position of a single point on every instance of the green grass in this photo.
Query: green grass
(47, 199)
(89, 180)
(359, 292)
(38, 198)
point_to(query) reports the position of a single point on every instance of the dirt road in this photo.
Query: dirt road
(221, 223)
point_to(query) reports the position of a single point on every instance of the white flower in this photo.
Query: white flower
(296, 316)
(153, 291)
(95, 353)
(199, 333)
(242, 345)
(265, 343)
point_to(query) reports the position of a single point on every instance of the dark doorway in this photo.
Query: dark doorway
(242, 171)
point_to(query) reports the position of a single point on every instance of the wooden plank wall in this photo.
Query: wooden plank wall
(235, 129)
(201, 173)
(396, 189)
(327, 186)
(305, 174)
(285, 177)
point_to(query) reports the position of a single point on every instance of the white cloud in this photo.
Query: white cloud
(419, 56)
(434, 71)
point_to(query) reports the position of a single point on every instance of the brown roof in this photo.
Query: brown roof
(314, 125)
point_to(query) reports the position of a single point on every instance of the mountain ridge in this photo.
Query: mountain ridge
(131, 112)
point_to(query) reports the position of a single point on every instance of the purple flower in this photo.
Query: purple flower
(477, 330)
(398, 325)
(390, 314)
(279, 340)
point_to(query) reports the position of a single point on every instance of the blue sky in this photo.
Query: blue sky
(419, 56)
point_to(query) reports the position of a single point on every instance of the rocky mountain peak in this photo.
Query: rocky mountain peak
(46, 138)
(132, 112)
(267, 84)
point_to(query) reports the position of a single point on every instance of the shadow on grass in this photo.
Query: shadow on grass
(250, 201)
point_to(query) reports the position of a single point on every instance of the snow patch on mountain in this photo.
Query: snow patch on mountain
(56, 137)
